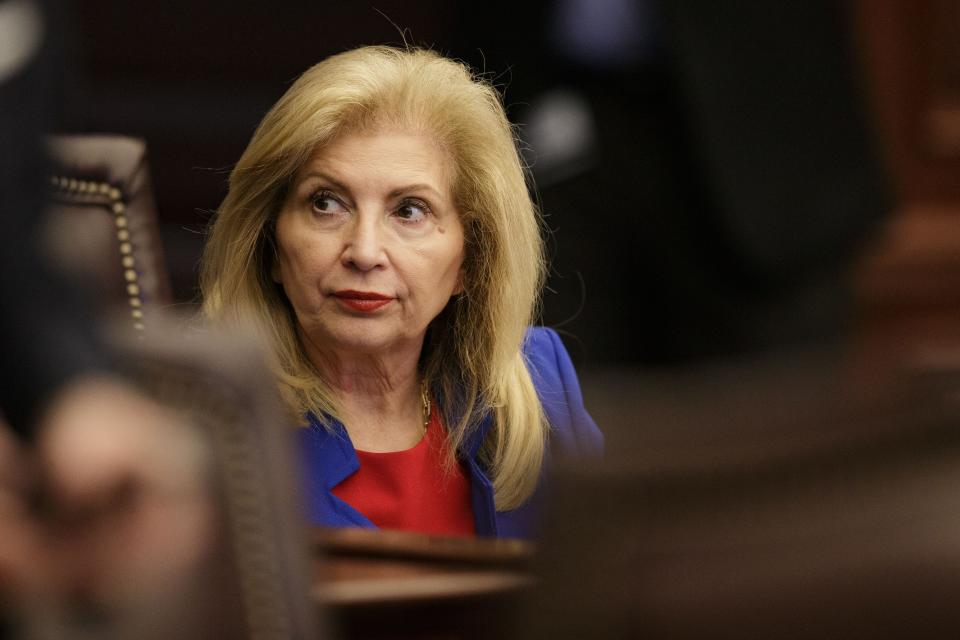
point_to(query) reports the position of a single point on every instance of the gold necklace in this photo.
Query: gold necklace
(425, 405)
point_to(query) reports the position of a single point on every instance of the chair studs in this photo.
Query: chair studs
(118, 207)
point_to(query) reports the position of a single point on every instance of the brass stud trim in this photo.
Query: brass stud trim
(118, 207)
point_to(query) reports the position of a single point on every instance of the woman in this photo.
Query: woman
(379, 231)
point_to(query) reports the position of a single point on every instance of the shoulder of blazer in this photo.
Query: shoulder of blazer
(572, 431)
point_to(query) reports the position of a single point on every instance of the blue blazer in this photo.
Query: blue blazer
(329, 456)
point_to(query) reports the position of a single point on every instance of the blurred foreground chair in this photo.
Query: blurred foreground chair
(102, 223)
(250, 576)
(771, 500)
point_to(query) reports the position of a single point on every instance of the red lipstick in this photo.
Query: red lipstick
(363, 301)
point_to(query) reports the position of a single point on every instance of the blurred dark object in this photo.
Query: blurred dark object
(47, 334)
(909, 282)
(914, 74)
(726, 173)
(101, 226)
(241, 568)
(397, 584)
(780, 497)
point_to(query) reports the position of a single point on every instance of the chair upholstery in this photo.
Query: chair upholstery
(769, 501)
(102, 224)
(254, 581)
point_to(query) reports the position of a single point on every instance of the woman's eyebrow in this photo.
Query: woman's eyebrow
(325, 177)
(421, 186)
(394, 193)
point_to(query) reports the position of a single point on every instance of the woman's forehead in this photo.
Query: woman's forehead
(382, 155)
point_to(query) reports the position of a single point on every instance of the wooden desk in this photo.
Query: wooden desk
(380, 584)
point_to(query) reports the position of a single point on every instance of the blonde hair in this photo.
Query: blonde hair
(472, 360)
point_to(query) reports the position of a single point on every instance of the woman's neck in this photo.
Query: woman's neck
(378, 395)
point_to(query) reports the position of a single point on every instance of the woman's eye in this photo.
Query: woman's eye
(324, 202)
(412, 211)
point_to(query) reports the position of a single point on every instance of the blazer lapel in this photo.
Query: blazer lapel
(329, 459)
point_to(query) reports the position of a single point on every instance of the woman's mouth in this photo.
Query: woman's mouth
(362, 301)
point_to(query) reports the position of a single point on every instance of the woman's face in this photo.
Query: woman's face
(369, 243)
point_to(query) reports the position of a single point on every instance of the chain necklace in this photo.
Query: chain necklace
(425, 405)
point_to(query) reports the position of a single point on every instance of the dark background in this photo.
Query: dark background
(194, 79)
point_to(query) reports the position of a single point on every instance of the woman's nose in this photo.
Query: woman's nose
(363, 244)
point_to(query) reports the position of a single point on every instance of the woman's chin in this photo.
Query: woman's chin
(367, 340)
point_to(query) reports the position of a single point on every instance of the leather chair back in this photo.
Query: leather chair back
(102, 227)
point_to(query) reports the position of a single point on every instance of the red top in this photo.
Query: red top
(410, 490)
